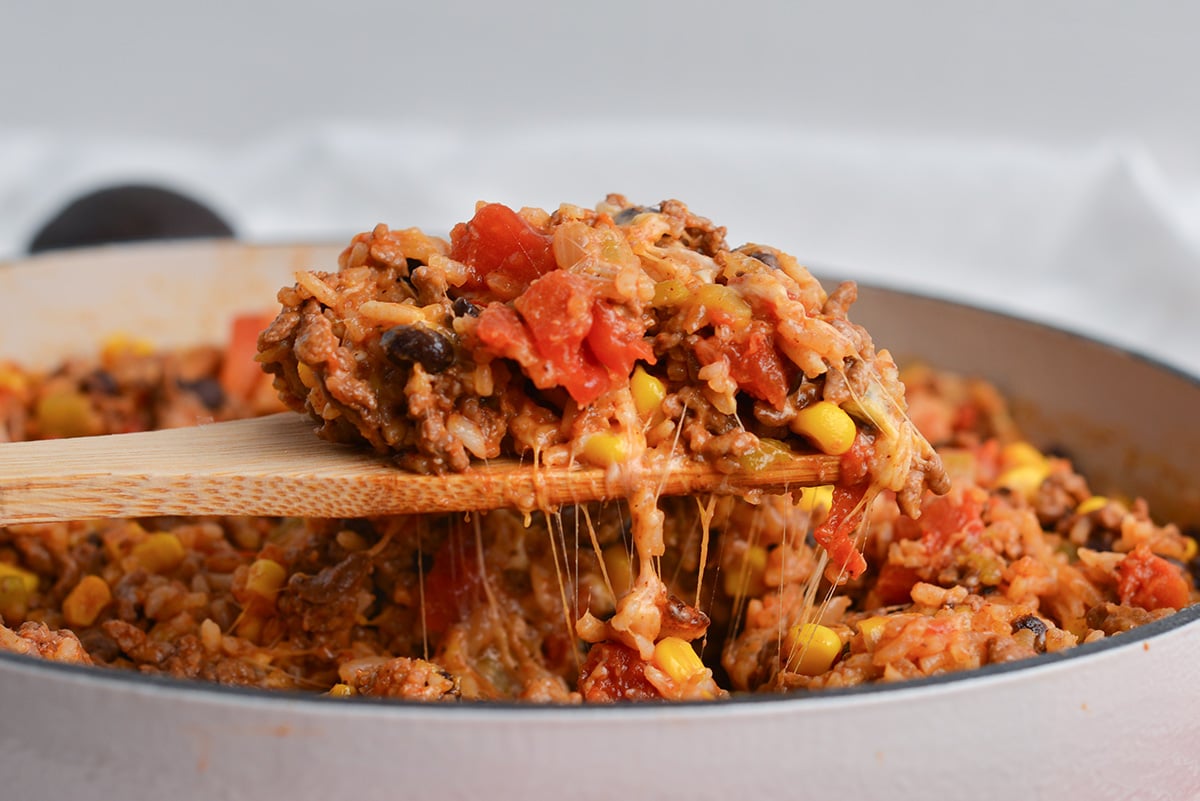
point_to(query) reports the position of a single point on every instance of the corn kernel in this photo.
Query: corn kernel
(265, 578)
(1092, 504)
(1024, 479)
(86, 601)
(159, 553)
(13, 380)
(872, 628)
(812, 648)
(14, 598)
(648, 392)
(746, 578)
(1017, 454)
(341, 691)
(816, 499)
(669, 293)
(67, 414)
(307, 377)
(827, 426)
(120, 343)
(606, 448)
(723, 305)
(27, 578)
(676, 657)
(1190, 547)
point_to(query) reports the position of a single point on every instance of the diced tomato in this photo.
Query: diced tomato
(895, 583)
(987, 461)
(753, 361)
(856, 462)
(240, 373)
(759, 370)
(502, 332)
(558, 310)
(617, 339)
(966, 418)
(500, 329)
(945, 520)
(453, 583)
(1151, 582)
(498, 240)
(949, 526)
(565, 337)
(582, 343)
(615, 672)
(584, 377)
(835, 535)
(846, 512)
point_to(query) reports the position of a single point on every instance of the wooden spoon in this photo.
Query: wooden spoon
(276, 466)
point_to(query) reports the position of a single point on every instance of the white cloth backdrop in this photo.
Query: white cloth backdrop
(1038, 159)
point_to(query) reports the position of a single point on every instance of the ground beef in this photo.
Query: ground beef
(35, 639)
(413, 679)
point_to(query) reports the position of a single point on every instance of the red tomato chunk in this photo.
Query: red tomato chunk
(499, 243)
(1150, 581)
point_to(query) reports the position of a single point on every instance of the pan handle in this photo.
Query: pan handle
(129, 213)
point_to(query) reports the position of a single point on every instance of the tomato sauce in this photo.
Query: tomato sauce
(1151, 582)
(453, 585)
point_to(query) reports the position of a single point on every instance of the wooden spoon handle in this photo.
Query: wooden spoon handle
(275, 466)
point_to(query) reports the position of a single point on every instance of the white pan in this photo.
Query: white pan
(1118, 719)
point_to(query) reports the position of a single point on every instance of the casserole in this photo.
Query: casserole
(1108, 719)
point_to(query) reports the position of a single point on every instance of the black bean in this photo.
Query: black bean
(410, 343)
(101, 382)
(208, 390)
(808, 393)
(413, 266)
(766, 257)
(1100, 538)
(407, 277)
(625, 216)
(465, 308)
(1034, 624)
